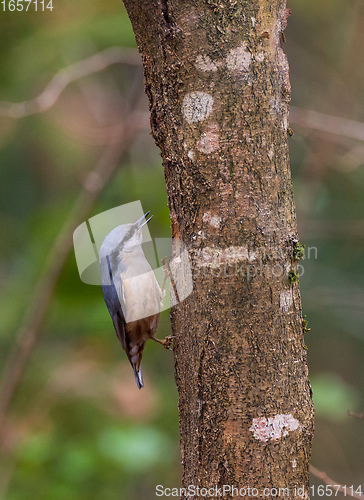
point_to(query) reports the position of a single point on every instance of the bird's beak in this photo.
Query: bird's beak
(141, 222)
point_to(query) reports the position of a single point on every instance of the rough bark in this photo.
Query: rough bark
(218, 86)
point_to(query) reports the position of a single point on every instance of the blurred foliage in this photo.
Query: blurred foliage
(79, 429)
(331, 396)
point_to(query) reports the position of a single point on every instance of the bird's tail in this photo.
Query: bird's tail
(138, 376)
(135, 353)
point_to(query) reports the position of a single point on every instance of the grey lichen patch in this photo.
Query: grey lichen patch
(284, 125)
(239, 59)
(275, 106)
(213, 220)
(204, 63)
(197, 106)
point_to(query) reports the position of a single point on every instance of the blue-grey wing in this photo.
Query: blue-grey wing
(112, 289)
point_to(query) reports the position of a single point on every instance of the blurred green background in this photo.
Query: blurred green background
(78, 427)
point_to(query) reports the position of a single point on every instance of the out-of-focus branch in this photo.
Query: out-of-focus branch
(356, 415)
(93, 64)
(327, 123)
(29, 331)
(325, 478)
(119, 55)
(101, 136)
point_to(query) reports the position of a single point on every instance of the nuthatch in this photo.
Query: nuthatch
(131, 291)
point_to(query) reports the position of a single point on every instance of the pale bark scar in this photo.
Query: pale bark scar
(286, 300)
(209, 141)
(216, 257)
(273, 428)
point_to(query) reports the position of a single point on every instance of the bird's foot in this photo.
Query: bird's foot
(166, 343)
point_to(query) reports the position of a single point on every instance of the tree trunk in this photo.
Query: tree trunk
(218, 86)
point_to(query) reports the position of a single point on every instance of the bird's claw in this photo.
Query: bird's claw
(167, 342)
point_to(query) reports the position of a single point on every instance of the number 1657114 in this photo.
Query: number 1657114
(26, 5)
